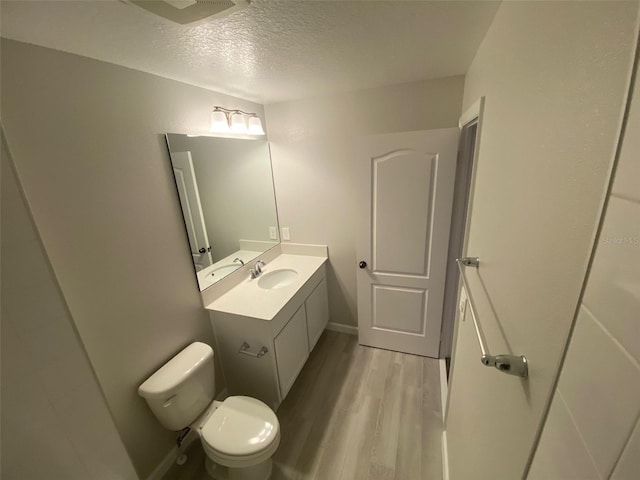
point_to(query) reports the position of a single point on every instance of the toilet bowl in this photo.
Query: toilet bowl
(242, 434)
(239, 435)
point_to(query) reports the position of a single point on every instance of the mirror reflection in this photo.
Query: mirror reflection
(225, 187)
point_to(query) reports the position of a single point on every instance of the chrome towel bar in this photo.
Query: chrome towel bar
(511, 364)
(244, 349)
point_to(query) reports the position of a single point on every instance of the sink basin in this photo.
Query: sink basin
(224, 270)
(277, 279)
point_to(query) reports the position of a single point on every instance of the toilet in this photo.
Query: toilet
(239, 435)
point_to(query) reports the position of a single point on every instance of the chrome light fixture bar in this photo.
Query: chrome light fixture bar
(224, 120)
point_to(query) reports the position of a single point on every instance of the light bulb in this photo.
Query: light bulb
(238, 123)
(255, 126)
(219, 122)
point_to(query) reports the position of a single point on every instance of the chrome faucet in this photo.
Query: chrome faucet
(257, 269)
(237, 259)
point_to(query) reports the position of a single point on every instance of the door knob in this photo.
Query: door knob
(362, 264)
(202, 250)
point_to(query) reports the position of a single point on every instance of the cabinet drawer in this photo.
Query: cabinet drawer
(292, 350)
(317, 309)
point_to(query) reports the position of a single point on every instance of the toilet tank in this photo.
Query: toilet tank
(183, 388)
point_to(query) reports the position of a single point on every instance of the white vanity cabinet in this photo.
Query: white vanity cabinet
(275, 349)
(317, 310)
(291, 350)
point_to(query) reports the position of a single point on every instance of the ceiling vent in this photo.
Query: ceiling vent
(189, 11)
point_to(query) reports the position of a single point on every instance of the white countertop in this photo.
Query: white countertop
(249, 300)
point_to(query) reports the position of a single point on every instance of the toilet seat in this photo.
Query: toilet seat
(241, 461)
(242, 431)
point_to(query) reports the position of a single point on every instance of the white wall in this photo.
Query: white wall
(55, 421)
(555, 77)
(590, 431)
(87, 140)
(312, 144)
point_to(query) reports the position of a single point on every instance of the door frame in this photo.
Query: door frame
(450, 325)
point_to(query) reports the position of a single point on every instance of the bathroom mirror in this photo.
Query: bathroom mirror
(225, 187)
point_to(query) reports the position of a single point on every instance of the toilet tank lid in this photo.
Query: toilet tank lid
(176, 370)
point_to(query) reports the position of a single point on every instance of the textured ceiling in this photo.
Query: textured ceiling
(272, 50)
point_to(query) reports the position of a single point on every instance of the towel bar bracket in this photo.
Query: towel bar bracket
(470, 261)
(511, 364)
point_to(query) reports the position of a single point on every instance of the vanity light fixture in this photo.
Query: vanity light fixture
(224, 120)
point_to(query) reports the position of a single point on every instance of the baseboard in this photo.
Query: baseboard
(444, 388)
(163, 467)
(445, 456)
(168, 461)
(340, 327)
(444, 394)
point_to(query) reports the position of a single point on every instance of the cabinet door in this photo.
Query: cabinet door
(317, 307)
(292, 350)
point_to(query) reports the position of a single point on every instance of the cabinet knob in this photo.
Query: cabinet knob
(362, 264)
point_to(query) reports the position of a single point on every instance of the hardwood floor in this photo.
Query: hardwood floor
(356, 413)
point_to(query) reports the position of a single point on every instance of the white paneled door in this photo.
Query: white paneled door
(191, 209)
(406, 193)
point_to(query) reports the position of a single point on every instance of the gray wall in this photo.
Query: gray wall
(312, 144)
(600, 437)
(555, 76)
(55, 421)
(86, 137)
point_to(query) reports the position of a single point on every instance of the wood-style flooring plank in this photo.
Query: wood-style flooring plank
(385, 441)
(409, 450)
(360, 440)
(319, 409)
(431, 421)
(377, 374)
